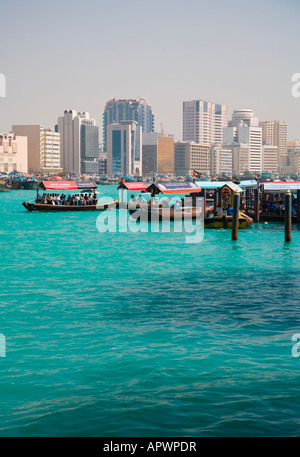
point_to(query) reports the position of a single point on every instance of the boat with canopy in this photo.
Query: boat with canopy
(163, 211)
(63, 205)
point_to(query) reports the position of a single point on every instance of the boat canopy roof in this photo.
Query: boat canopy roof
(233, 187)
(132, 186)
(68, 185)
(173, 188)
(281, 186)
(217, 184)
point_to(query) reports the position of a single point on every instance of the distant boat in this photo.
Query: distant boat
(4, 186)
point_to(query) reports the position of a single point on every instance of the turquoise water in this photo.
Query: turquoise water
(141, 334)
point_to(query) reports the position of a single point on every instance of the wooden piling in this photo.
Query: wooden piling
(256, 205)
(235, 216)
(288, 216)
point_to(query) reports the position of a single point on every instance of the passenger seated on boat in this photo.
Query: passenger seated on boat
(177, 205)
(271, 208)
(49, 200)
(219, 211)
(133, 199)
(229, 211)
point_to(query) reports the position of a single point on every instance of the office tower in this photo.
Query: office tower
(79, 142)
(275, 132)
(117, 111)
(124, 148)
(13, 153)
(43, 148)
(270, 158)
(244, 129)
(189, 156)
(158, 153)
(203, 121)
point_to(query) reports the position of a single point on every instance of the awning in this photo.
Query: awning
(133, 186)
(67, 185)
(211, 185)
(281, 186)
(174, 188)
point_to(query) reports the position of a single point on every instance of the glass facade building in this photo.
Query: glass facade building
(117, 111)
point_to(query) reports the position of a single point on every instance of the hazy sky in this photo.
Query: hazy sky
(69, 54)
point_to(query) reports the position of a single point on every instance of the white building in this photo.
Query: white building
(221, 161)
(248, 132)
(203, 121)
(13, 153)
(124, 148)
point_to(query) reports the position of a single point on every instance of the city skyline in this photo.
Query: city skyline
(174, 56)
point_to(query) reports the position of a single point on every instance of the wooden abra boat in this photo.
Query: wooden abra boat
(56, 186)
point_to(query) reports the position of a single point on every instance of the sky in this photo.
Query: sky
(69, 54)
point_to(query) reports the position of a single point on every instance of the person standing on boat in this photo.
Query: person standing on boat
(219, 211)
(229, 211)
(177, 205)
(140, 199)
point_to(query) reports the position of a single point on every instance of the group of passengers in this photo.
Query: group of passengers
(71, 200)
(277, 207)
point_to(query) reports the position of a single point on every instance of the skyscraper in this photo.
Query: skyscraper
(117, 111)
(124, 148)
(203, 121)
(275, 133)
(79, 142)
(244, 130)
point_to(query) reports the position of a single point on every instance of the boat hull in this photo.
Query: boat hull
(4, 188)
(28, 185)
(66, 209)
(226, 222)
(161, 214)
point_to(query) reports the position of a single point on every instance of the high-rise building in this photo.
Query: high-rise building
(275, 133)
(116, 111)
(244, 129)
(203, 121)
(158, 153)
(13, 153)
(43, 148)
(79, 142)
(124, 148)
(189, 156)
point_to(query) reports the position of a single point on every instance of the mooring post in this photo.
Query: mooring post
(235, 216)
(288, 216)
(256, 204)
(298, 206)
